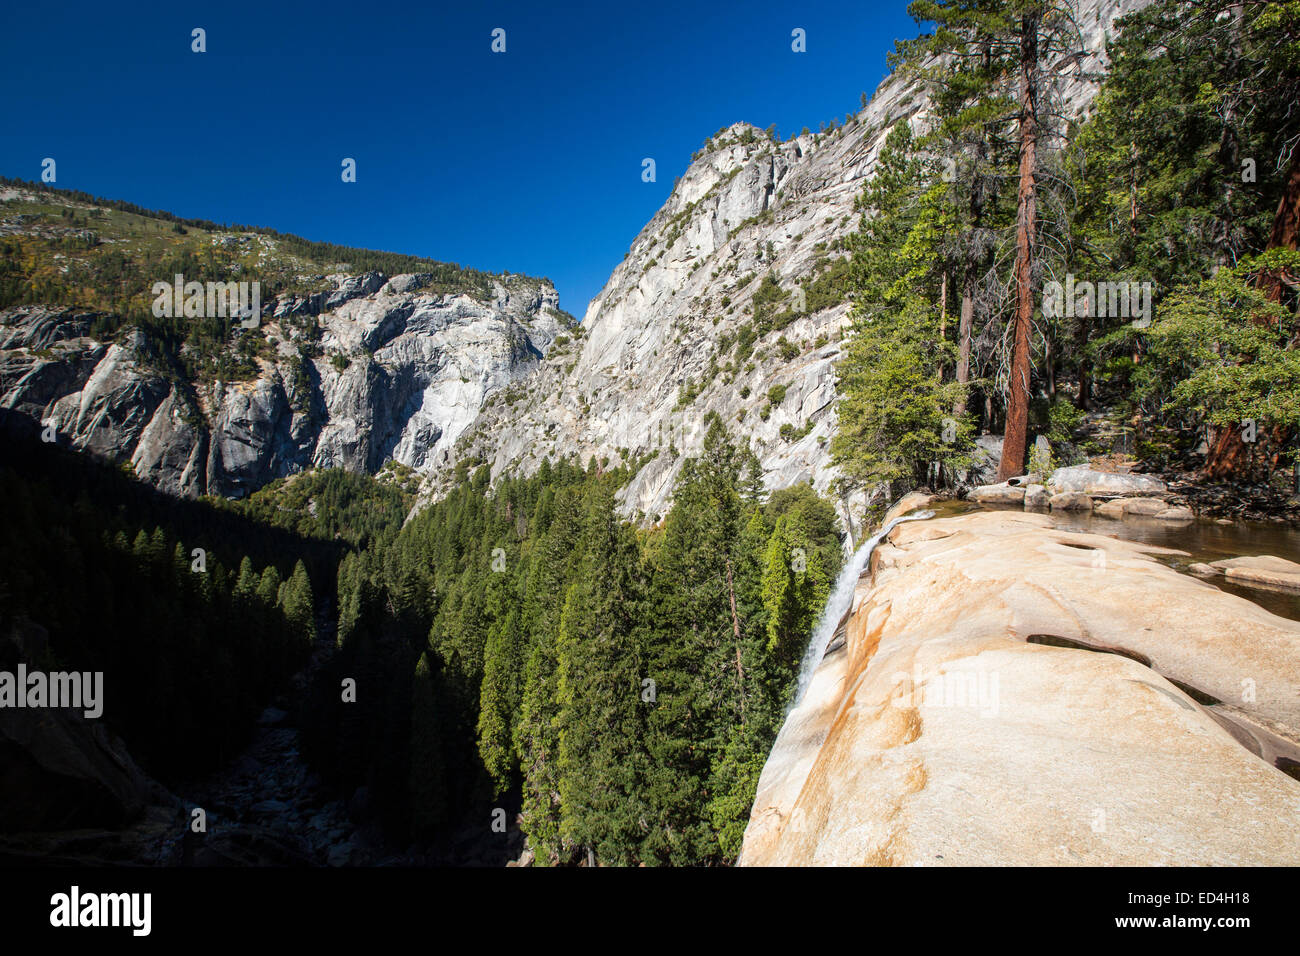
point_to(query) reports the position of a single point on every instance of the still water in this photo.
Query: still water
(1203, 540)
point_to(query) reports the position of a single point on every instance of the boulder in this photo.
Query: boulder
(1110, 509)
(909, 502)
(1082, 478)
(1261, 569)
(986, 458)
(970, 719)
(1001, 494)
(1036, 497)
(1070, 501)
(1143, 506)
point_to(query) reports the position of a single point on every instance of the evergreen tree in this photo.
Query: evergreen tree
(602, 762)
(299, 608)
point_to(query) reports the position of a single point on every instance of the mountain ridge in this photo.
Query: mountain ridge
(731, 301)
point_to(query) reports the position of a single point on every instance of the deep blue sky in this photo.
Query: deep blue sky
(528, 161)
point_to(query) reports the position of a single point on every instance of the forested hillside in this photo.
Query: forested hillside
(194, 614)
(521, 645)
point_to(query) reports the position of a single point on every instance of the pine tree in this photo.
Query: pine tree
(299, 608)
(894, 413)
(499, 700)
(427, 791)
(999, 51)
(602, 761)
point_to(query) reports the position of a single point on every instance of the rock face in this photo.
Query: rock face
(400, 374)
(59, 769)
(654, 362)
(436, 380)
(973, 716)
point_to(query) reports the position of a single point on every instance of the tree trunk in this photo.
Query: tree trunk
(1016, 436)
(1084, 402)
(735, 625)
(963, 340)
(1133, 191)
(943, 305)
(1049, 359)
(1286, 226)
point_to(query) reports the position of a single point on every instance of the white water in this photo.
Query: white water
(838, 603)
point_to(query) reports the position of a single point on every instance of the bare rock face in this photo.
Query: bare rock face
(400, 374)
(653, 364)
(1010, 694)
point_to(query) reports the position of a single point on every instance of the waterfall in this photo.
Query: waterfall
(838, 603)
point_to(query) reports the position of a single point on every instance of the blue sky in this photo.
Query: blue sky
(528, 161)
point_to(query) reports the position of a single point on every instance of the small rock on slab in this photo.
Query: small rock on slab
(1262, 569)
(1003, 494)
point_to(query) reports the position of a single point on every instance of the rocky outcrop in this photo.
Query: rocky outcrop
(1011, 694)
(59, 769)
(751, 226)
(660, 355)
(397, 373)
(1073, 488)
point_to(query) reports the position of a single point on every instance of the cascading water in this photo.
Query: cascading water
(838, 603)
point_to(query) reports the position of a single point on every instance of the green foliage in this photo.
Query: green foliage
(595, 673)
(1220, 352)
(1179, 172)
(328, 504)
(897, 407)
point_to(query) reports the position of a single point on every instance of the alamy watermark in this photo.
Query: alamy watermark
(199, 300)
(977, 690)
(58, 689)
(1104, 300)
(77, 909)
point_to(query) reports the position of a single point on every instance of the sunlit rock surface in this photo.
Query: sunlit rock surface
(963, 722)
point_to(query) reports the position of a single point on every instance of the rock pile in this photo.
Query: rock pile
(1080, 488)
